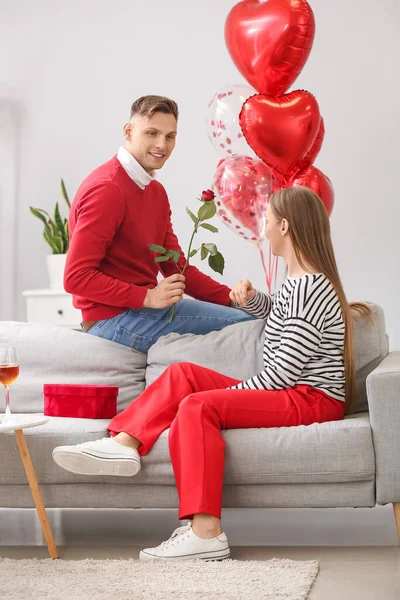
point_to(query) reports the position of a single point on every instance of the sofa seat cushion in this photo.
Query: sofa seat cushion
(58, 431)
(334, 452)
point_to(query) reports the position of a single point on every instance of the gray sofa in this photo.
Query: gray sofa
(349, 463)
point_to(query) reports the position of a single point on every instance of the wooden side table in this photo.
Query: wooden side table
(18, 423)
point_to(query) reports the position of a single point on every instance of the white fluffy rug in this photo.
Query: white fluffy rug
(144, 580)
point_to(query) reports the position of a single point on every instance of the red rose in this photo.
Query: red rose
(207, 195)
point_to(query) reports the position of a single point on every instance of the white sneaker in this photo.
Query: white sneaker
(184, 544)
(100, 457)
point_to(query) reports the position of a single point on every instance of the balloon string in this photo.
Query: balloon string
(270, 269)
(267, 272)
(271, 273)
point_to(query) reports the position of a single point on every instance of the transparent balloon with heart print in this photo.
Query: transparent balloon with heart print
(222, 121)
(243, 186)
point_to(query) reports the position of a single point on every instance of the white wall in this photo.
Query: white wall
(70, 70)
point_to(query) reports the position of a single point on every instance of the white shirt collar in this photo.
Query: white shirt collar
(133, 168)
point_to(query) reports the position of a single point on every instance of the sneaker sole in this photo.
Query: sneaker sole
(207, 556)
(85, 464)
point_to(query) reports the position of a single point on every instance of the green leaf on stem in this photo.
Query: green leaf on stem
(203, 252)
(212, 248)
(217, 263)
(209, 227)
(158, 249)
(207, 211)
(174, 254)
(193, 252)
(192, 216)
(161, 258)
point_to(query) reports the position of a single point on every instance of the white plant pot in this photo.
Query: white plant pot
(55, 269)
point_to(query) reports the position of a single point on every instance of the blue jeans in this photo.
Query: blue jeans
(139, 329)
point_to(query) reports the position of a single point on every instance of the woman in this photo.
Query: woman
(308, 377)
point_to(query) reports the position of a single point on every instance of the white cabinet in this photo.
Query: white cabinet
(51, 307)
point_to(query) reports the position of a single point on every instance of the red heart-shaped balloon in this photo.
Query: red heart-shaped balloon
(281, 130)
(321, 184)
(312, 154)
(270, 41)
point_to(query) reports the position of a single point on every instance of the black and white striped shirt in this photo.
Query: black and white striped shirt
(304, 337)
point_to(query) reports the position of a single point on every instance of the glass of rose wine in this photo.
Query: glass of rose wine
(9, 371)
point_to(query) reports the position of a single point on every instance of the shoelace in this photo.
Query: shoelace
(178, 532)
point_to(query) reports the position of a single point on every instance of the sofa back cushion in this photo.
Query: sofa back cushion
(50, 354)
(236, 351)
(371, 345)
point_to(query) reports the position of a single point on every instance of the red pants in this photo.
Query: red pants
(195, 404)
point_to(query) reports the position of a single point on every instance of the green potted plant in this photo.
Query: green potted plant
(57, 237)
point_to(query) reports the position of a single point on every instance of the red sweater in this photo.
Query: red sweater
(109, 265)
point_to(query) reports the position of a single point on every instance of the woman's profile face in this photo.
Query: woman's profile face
(273, 232)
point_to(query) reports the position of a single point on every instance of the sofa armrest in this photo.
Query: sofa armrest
(383, 393)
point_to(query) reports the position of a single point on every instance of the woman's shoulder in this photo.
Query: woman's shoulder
(310, 283)
(310, 292)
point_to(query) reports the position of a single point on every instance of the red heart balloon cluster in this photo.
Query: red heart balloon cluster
(269, 42)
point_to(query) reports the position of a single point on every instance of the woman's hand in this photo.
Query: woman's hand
(242, 292)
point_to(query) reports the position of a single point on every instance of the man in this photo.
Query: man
(118, 211)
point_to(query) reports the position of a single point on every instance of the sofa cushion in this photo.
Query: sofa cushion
(51, 354)
(371, 345)
(236, 351)
(41, 440)
(334, 452)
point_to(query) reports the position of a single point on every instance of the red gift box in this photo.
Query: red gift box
(80, 401)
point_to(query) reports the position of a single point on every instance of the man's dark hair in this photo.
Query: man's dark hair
(146, 106)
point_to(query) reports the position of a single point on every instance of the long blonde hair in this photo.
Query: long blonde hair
(310, 233)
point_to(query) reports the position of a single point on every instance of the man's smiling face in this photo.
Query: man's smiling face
(151, 140)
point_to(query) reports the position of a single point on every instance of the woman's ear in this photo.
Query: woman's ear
(284, 227)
